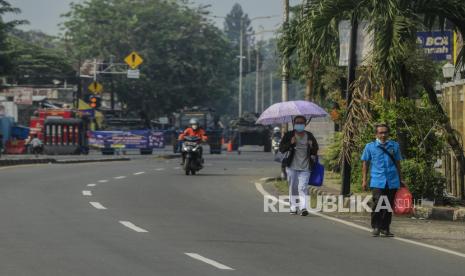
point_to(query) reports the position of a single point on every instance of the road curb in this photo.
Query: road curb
(434, 213)
(18, 162)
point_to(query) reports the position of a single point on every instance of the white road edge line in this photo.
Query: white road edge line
(103, 181)
(91, 185)
(97, 205)
(208, 261)
(119, 177)
(86, 193)
(260, 188)
(139, 173)
(131, 226)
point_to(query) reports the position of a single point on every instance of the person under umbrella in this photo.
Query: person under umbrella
(302, 149)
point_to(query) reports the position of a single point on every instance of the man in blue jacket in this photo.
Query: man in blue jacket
(383, 157)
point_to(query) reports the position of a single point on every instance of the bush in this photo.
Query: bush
(422, 180)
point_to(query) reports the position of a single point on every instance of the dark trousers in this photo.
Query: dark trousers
(382, 219)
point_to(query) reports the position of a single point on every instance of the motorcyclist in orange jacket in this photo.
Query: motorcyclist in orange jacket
(193, 130)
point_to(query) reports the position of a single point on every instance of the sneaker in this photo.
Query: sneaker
(304, 213)
(387, 233)
(375, 232)
(293, 212)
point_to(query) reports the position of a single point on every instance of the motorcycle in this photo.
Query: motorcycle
(275, 144)
(192, 149)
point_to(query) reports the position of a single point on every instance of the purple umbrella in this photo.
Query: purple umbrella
(285, 112)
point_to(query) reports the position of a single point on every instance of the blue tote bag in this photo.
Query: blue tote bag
(317, 175)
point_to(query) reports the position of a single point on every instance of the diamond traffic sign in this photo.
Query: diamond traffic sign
(134, 60)
(95, 87)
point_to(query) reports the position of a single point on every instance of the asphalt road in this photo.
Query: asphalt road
(145, 217)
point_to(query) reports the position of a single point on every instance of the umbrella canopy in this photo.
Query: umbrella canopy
(285, 112)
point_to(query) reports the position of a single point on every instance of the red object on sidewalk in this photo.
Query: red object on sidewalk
(403, 202)
(15, 147)
(230, 146)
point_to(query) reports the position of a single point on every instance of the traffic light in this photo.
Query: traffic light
(95, 101)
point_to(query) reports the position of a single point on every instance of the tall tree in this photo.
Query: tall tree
(187, 60)
(393, 24)
(5, 61)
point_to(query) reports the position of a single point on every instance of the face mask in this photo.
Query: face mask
(299, 127)
(194, 127)
(379, 141)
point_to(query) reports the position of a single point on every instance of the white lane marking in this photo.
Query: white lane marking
(119, 177)
(103, 181)
(160, 169)
(91, 185)
(131, 226)
(97, 205)
(208, 261)
(86, 193)
(139, 173)
(260, 188)
(177, 168)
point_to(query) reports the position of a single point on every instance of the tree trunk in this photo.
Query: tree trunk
(309, 87)
(452, 140)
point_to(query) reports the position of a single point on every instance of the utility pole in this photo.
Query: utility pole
(257, 78)
(271, 88)
(262, 104)
(346, 167)
(285, 67)
(240, 67)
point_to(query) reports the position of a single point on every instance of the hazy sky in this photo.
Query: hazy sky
(44, 15)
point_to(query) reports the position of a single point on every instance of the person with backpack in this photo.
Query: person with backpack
(301, 149)
(383, 157)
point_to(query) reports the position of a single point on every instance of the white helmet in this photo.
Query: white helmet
(194, 123)
(276, 130)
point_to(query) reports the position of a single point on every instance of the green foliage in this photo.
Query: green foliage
(422, 180)
(38, 59)
(6, 65)
(187, 60)
(332, 152)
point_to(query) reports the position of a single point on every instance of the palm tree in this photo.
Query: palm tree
(394, 24)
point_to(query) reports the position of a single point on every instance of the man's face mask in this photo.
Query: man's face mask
(299, 127)
(195, 127)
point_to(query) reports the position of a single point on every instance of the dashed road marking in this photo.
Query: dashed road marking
(97, 205)
(131, 226)
(209, 261)
(139, 173)
(119, 177)
(160, 169)
(91, 185)
(86, 193)
(103, 181)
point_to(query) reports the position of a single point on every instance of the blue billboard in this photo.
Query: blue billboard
(438, 45)
(133, 139)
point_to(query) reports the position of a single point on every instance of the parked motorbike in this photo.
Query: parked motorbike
(192, 149)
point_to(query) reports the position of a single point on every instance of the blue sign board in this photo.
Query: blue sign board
(133, 139)
(438, 45)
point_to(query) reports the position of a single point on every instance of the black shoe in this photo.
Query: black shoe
(304, 213)
(387, 233)
(375, 232)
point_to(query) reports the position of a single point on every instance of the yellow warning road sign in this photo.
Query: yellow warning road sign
(134, 60)
(95, 87)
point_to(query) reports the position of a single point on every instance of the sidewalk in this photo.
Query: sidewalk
(447, 234)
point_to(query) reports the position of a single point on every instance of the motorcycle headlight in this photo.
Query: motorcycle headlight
(194, 149)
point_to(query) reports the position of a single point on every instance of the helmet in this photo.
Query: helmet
(193, 121)
(276, 130)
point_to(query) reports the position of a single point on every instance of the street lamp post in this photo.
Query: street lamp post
(241, 57)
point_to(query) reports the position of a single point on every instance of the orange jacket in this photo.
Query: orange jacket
(191, 132)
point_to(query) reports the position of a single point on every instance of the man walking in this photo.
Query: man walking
(383, 157)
